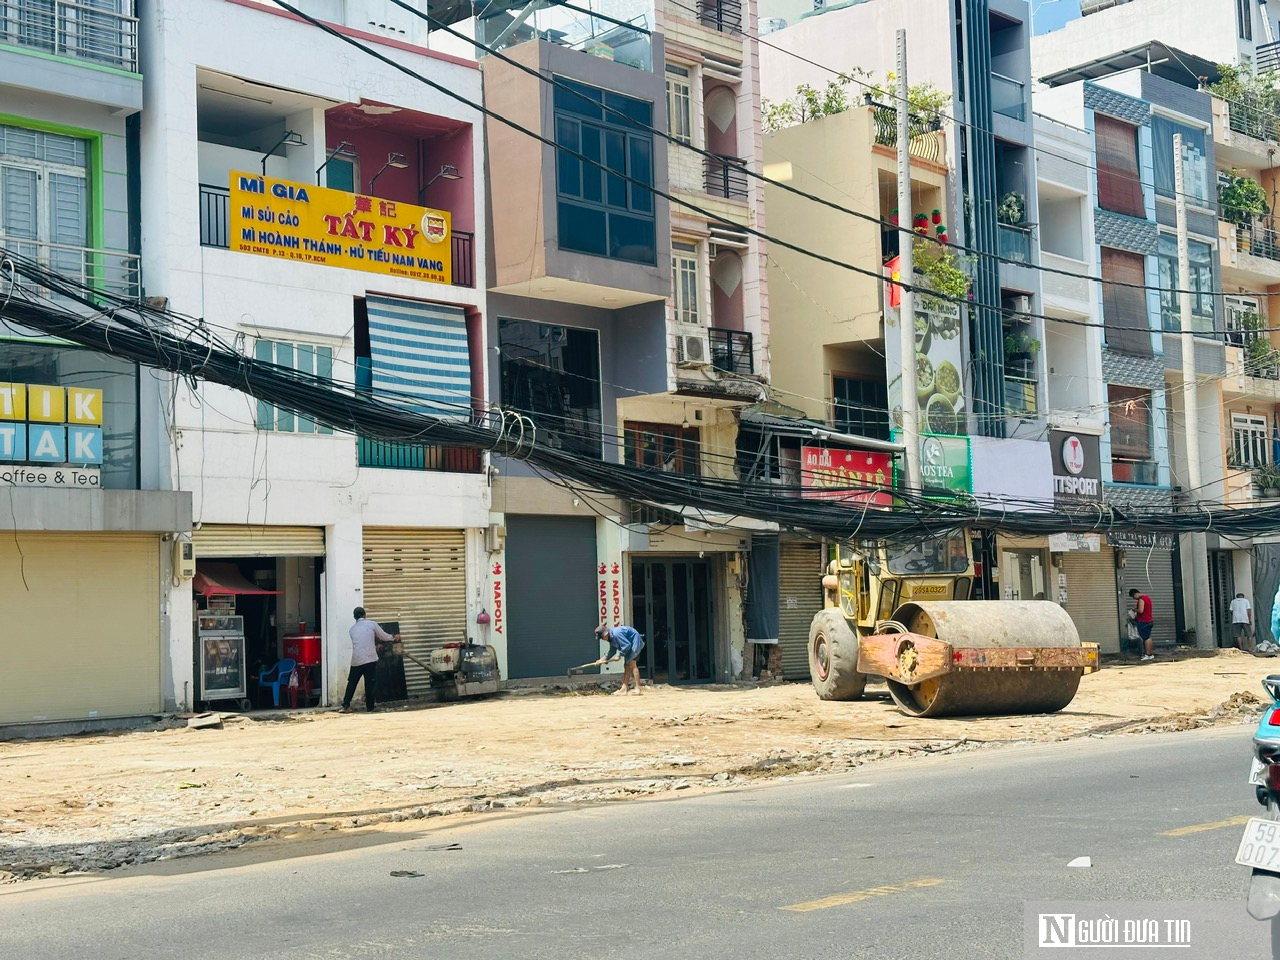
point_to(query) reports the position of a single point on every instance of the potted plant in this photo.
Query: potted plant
(1243, 201)
(1020, 351)
(1267, 477)
(1012, 209)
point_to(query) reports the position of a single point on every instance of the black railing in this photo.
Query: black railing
(886, 121)
(464, 259)
(1267, 57)
(726, 177)
(722, 15)
(215, 216)
(418, 456)
(731, 351)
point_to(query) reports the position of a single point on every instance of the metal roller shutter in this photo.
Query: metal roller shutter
(800, 600)
(417, 578)
(1151, 572)
(235, 540)
(1091, 597)
(101, 596)
(552, 599)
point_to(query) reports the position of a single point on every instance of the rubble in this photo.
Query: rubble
(89, 804)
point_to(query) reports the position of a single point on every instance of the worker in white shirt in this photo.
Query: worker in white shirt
(1242, 622)
(364, 658)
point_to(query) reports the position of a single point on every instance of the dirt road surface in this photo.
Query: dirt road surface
(92, 803)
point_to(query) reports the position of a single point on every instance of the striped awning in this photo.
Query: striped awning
(420, 356)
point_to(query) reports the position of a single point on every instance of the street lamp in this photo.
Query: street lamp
(396, 160)
(447, 172)
(1042, 3)
(290, 139)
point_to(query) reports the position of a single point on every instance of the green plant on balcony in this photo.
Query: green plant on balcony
(1012, 209)
(1267, 477)
(942, 271)
(1253, 99)
(1020, 352)
(1242, 199)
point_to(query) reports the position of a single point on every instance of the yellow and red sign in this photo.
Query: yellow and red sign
(294, 221)
(836, 474)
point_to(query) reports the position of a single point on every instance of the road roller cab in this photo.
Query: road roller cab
(902, 612)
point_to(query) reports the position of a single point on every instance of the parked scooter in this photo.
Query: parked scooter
(1260, 846)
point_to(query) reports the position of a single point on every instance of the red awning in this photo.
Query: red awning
(224, 580)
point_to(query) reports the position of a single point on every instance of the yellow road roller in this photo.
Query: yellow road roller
(903, 612)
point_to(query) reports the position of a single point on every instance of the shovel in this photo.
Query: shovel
(582, 668)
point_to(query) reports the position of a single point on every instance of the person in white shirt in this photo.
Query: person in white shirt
(1242, 621)
(364, 658)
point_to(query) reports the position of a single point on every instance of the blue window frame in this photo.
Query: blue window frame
(598, 211)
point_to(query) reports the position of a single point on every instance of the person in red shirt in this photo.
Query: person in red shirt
(1144, 621)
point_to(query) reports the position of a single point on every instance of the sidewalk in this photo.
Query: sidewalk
(95, 802)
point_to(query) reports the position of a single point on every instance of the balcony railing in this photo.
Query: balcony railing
(1020, 396)
(731, 351)
(1253, 120)
(215, 216)
(109, 271)
(1015, 243)
(722, 15)
(1008, 97)
(1258, 240)
(464, 259)
(1267, 57)
(416, 456)
(726, 177)
(95, 32)
(215, 231)
(1145, 472)
(925, 144)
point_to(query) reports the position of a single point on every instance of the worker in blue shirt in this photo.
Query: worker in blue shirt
(624, 642)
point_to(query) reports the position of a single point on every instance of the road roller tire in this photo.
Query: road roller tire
(999, 693)
(833, 657)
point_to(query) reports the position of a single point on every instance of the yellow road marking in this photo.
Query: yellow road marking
(1202, 827)
(840, 899)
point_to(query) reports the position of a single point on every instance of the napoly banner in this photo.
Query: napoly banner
(295, 221)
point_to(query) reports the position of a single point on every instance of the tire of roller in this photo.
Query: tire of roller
(839, 678)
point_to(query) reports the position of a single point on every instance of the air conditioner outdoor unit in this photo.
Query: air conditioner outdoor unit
(1022, 304)
(692, 349)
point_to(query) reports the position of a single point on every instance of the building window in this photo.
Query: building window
(1244, 320)
(1195, 167)
(1119, 178)
(305, 358)
(679, 103)
(1131, 435)
(552, 375)
(663, 447)
(1124, 308)
(1244, 18)
(1249, 440)
(44, 197)
(1202, 315)
(685, 281)
(860, 407)
(598, 211)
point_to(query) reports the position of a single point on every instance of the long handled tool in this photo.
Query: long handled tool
(584, 667)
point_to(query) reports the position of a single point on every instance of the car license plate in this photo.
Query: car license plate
(1258, 773)
(1260, 846)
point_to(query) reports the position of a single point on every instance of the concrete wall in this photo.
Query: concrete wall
(1206, 28)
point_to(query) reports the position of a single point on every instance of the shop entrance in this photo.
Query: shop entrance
(1022, 575)
(255, 615)
(671, 603)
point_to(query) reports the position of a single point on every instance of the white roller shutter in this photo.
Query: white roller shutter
(800, 598)
(1091, 597)
(417, 578)
(89, 608)
(235, 540)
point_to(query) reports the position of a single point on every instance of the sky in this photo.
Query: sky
(1051, 14)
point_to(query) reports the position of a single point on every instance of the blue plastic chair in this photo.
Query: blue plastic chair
(283, 670)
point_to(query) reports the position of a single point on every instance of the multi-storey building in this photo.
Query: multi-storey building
(323, 212)
(627, 326)
(1132, 117)
(83, 452)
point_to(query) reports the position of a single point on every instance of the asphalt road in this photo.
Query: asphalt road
(932, 857)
